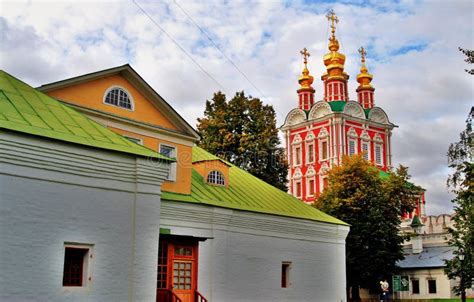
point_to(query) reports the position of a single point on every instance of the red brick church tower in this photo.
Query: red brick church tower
(318, 134)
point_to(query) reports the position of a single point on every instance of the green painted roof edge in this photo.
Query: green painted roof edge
(20, 123)
(225, 197)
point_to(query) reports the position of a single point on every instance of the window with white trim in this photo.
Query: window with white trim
(378, 154)
(170, 151)
(298, 155)
(118, 97)
(311, 186)
(323, 150)
(310, 152)
(298, 188)
(216, 178)
(366, 150)
(324, 182)
(352, 147)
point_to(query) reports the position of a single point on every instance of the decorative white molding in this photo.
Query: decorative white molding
(324, 169)
(319, 109)
(310, 136)
(297, 140)
(378, 138)
(294, 117)
(189, 219)
(30, 157)
(323, 133)
(310, 171)
(377, 115)
(297, 175)
(365, 136)
(354, 109)
(352, 133)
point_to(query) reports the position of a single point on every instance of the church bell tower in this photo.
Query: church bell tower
(318, 134)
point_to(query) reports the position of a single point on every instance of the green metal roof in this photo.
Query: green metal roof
(337, 106)
(247, 193)
(24, 109)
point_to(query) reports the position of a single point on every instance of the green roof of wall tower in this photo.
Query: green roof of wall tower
(26, 110)
(247, 193)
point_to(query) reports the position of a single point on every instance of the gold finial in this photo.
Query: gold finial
(331, 15)
(305, 53)
(364, 77)
(305, 79)
(363, 53)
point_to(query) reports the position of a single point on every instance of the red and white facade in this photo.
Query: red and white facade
(318, 134)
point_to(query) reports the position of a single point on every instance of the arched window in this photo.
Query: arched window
(216, 178)
(118, 97)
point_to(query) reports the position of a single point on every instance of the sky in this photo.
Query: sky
(187, 50)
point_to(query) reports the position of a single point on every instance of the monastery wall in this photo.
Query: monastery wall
(54, 194)
(242, 258)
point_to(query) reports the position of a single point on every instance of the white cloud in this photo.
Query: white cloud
(418, 71)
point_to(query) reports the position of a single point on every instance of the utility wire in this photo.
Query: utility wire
(179, 46)
(219, 49)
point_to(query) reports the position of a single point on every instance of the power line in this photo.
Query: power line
(219, 49)
(177, 44)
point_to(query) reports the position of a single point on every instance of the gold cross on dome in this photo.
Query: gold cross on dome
(331, 15)
(305, 54)
(363, 53)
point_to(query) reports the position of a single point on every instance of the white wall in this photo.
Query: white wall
(242, 259)
(52, 193)
(443, 284)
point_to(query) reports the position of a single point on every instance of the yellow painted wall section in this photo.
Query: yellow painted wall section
(91, 94)
(204, 167)
(184, 161)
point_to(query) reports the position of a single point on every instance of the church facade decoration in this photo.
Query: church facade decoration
(334, 126)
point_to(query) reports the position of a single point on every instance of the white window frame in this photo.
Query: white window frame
(310, 145)
(381, 162)
(366, 152)
(173, 165)
(86, 265)
(219, 176)
(320, 147)
(295, 155)
(132, 103)
(354, 141)
(308, 191)
(296, 182)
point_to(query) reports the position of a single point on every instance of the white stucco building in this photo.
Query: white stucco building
(88, 215)
(424, 260)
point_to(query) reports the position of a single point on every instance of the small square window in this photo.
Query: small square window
(285, 274)
(432, 286)
(75, 265)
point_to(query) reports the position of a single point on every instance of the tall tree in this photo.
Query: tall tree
(461, 183)
(243, 131)
(470, 58)
(373, 206)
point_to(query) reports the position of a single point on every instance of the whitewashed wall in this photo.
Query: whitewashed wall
(242, 259)
(52, 193)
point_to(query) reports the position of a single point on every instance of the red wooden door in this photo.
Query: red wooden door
(177, 269)
(184, 283)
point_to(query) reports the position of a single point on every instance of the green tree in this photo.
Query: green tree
(461, 183)
(243, 131)
(372, 205)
